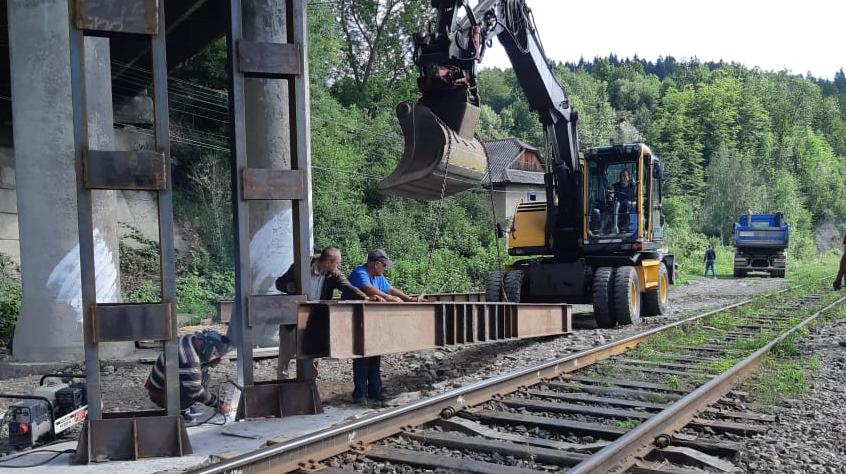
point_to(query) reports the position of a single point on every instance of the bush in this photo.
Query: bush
(200, 282)
(10, 299)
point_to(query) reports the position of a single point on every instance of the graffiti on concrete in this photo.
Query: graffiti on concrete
(271, 252)
(66, 280)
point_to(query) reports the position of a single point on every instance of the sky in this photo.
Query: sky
(803, 36)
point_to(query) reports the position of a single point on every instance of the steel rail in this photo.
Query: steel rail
(306, 451)
(624, 452)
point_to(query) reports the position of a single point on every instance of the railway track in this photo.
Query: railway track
(666, 406)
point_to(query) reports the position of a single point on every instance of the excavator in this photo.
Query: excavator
(598, 238)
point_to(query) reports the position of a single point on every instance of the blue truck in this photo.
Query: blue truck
(760, 244)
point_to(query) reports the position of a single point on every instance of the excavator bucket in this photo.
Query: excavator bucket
(432, 150)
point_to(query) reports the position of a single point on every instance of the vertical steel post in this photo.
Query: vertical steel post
(239, 322)
(301, 156)
(165, 211)
(289, 62)
(84, 215)
(125, 435)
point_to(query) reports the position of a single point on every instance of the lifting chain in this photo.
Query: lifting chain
(438, 210)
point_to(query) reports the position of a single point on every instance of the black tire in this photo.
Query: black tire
(655, 301)
(777, 274)
(739, 273)
(512, 283)
(493, 287)
(602, 292)
(626, 296)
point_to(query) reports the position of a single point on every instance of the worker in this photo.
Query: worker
(710, 258)
(370, 278)
(838, 280)
(625, 193)
(324, 278)
(197, 352)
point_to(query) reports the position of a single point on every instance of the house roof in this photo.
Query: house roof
(522, 177)
(503, 153)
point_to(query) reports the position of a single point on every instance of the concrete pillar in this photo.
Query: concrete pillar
(269, 146)
(49, 327)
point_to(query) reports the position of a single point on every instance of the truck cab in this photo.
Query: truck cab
(760, 241)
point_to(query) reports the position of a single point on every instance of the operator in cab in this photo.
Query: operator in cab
(626, 194)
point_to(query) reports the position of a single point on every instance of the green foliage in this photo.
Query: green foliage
(200, 281)
(732, 138)
(10, 298)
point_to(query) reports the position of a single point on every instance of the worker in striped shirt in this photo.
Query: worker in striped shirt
(197, 352)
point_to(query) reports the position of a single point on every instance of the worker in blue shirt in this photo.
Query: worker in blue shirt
(370, 278)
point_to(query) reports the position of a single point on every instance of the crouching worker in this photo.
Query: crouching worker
(197, 352)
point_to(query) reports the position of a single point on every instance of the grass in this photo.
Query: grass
(782, 375)
(627, 424)
(718, 325)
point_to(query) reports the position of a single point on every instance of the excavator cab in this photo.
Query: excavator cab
(622, 198)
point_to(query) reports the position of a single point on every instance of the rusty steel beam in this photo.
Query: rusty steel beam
(345, 330)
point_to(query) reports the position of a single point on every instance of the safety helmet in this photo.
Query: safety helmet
(215, 345)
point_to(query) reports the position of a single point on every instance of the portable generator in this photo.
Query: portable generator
(51, 409)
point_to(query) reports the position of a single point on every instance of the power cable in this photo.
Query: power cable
(29, 453)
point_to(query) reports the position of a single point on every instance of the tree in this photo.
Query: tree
(377, 47)
(733, 188)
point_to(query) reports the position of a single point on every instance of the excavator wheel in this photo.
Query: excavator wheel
(511, 282)
(655, 301)
(602, 290)
(627, 300)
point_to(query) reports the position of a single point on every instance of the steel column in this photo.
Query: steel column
(288, 61)
(128, 435)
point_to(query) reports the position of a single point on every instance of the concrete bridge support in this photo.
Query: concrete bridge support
(49, 327)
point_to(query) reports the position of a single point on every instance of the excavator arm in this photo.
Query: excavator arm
(442, 156)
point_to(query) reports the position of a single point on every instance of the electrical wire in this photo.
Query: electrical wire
(29, 453)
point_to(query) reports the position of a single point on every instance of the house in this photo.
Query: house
(517, 175)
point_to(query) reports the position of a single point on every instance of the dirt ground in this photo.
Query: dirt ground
(408, 377)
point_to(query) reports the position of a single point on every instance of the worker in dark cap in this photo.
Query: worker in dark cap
(370, 278)
(197, 352)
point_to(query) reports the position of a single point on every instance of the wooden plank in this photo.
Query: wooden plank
(704, 348)
(552, 424)
(617, 391)
(555, 407)
(124, 16)
(504, 448)
(662, 387)
(727, 426)
(270, 60)
(582, 397)
(585, 398)
(655, 370)
(471, 427)
(133, 170)
(643, 467)
(699, 423)
(692, 457)
(653, 363)
(272, 184)
(436, 461)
